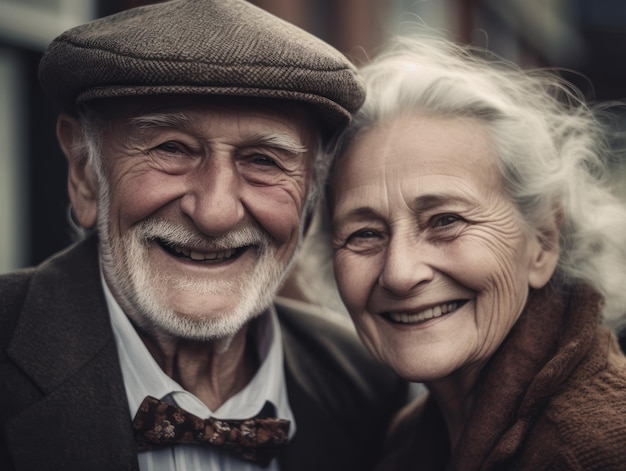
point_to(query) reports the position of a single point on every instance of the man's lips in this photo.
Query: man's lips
(415, 317)
(201, 255)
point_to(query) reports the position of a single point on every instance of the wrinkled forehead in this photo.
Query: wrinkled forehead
(416, 148)
(286, 115)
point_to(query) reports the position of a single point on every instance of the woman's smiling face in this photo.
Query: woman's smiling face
(431, 256)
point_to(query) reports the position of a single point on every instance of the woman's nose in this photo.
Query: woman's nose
(405, 266)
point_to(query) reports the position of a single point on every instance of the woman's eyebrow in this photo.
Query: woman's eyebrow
(361, 212)
(432, 201)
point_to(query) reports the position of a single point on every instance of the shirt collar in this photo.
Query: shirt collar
(143, 377)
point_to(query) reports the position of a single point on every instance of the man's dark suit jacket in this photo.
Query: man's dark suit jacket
(62, 400)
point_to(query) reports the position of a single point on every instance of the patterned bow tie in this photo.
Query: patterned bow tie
(158, 423)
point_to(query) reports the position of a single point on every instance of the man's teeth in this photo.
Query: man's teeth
(201, 256)
(424, 315)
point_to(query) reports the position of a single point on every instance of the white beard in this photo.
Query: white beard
(138, 287)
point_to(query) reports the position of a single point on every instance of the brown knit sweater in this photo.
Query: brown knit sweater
(553, 397)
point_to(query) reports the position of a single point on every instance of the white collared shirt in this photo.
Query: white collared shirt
(143, 377)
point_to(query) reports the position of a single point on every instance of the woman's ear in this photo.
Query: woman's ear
(545, 252)
(82, 186)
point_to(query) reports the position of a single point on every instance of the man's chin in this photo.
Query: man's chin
(199, 317)
(202, 328)
(199, 308)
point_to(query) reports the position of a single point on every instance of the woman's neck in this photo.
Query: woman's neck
(455, 396)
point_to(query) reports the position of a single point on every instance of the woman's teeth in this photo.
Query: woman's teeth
(424, 315)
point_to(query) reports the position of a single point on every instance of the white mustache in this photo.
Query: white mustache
(174, 234)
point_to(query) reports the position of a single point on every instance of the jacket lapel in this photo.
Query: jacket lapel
(317, 443)
(320, 441)
(63, 343)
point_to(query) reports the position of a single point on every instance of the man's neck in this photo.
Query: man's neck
(213, 371)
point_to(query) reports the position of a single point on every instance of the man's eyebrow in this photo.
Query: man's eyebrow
(161, 120)
(279, 141)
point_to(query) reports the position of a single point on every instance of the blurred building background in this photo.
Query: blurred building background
(584, 38)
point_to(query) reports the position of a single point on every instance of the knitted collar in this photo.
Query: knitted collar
(551, 338)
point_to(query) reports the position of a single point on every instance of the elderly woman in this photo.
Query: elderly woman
(478, 249)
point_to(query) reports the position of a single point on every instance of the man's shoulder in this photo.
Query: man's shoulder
(77, 258)
(49, 281)
(327, 334)
(301, 316)
(323, 348)
(342, 399)
(13, 289)
(14, 285)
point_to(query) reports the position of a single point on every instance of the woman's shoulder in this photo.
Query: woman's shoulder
(588, 417)
(597, 387)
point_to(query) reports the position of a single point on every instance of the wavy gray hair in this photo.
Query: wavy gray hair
(554, 150)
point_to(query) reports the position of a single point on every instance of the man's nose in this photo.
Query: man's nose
(213, 200)
(405, 266)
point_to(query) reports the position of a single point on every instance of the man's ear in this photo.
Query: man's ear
(545, 252)
(82, 186)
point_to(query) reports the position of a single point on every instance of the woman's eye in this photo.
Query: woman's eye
(171, 147)
(446, 219)
(365, 241)
(364, 234)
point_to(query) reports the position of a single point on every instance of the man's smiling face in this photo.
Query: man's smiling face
(200, 209)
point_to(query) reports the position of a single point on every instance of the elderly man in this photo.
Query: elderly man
(193, 131)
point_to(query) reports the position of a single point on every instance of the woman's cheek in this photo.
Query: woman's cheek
(351, 276)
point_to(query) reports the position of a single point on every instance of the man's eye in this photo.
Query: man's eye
(261, 159)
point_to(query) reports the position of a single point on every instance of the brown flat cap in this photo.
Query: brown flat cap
(206, 47)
